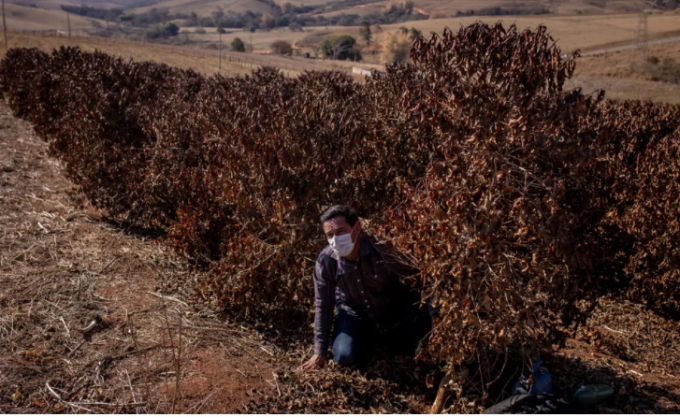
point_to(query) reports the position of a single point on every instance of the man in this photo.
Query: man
(358, 278)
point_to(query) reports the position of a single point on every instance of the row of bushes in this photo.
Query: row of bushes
(513, 197)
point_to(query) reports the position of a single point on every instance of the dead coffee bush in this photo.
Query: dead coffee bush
(513, 197)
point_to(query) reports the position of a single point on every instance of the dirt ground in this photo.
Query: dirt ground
(61, 269)
(94, 318)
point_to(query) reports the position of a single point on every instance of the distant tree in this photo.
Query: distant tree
(172, 29)
(162, 31)
(281, 21)
(287, 8)
(268, 20)
(295, 27)
(397, 48)
(414, 34)
(348, 20)
(126, 18)
(237, 45)
(282, 48)
(340, 47)
(408, 7)
(217, 14)
(365, 32)
(192, 20)
(207, 22)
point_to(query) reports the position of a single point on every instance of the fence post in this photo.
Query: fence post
(220, 48)
(68, 21)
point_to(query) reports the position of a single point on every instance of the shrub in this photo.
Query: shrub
(513, 198)
(341, 47)
(200, 31)
(282, 48)
(237, 45)
(396, 49)
(365, 32)
(163, 31)
(268, 20)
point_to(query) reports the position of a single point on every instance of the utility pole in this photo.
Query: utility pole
(220, 50)
(252, 48)
(68, 21)
(4, 24)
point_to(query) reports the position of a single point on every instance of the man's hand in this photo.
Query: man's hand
(317, 361)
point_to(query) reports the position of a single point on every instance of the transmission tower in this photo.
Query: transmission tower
(642, 33)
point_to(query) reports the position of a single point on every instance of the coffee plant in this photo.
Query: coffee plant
(514, 198)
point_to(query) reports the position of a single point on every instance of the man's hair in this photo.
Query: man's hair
(348, 213)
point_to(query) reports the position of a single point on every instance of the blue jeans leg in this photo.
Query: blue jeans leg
(346, 339)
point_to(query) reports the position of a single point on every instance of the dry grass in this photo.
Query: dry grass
(622, 64)
(628, 88)
(611, 72)
(261, 40)
(202, 61)
(571, 32)
(90, 314)
(31, 18)
(619, 75)
(361, 10)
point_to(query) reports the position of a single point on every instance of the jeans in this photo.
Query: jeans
(399, 329)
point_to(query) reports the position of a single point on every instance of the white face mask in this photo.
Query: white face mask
(342, 245)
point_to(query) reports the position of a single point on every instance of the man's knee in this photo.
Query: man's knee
(344, 351)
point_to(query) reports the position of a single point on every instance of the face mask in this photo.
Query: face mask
(342, 245)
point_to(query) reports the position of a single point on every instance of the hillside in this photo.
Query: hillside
(106, 4)
(33, 18)
(201, 61)
(439, 8)
(205, 7)
(450, 8)
(571, 32)
(56, 4)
